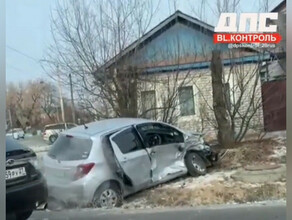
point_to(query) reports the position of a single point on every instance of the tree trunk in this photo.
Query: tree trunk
(225, 134)
(127, 92)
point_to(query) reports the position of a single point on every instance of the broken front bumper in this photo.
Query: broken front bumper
(209, 155)
(214, 156)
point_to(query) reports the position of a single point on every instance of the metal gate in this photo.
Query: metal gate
(274, 105)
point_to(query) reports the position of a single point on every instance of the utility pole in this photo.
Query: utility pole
(72, 99)
(58, 117)
(10, 118)
(61, 97)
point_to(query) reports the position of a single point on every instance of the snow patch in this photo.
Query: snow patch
(279, 151)
(201, 181)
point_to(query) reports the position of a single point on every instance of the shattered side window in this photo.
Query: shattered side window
(167, 134)
(170, 135)
(128, 141)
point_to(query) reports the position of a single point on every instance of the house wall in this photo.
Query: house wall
(203, 120)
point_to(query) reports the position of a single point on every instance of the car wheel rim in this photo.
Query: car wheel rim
(197, 164)
(108, 199)
(53, 139)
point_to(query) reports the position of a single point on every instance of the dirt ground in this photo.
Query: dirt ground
(256, 152)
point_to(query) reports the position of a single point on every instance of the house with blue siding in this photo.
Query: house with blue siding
(175, 83)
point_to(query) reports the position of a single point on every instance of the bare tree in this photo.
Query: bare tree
(27, 102)
(224, 6)
(240, 90)
(264, 5)
(225, 133)
(161, 93)
(246, 97)
(199, 9)
(24, 101)
(48, 100)
(11, 104)
(168, 87)
(89, 34)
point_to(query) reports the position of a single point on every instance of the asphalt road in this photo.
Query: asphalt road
(273, 211)
(33, 141)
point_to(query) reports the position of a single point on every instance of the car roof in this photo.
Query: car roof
(104, 126)
(49, 125)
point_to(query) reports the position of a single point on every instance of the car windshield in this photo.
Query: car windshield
(70, 148)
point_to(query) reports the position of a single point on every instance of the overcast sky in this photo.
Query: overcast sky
(28, 31)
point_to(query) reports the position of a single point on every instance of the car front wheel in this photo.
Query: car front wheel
(195, 164)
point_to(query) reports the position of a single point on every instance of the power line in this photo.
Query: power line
(15, 68)
(23, 54)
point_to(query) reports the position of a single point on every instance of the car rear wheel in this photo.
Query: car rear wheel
(107, 196)
(195, 164)
(23, 215)
(53, 138)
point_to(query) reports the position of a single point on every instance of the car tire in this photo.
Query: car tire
(53, 138)
(107, 195)
(195, 164)
(23, 215)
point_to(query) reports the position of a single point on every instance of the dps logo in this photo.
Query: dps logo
(251, 28)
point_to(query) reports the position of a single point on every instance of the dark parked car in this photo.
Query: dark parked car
(26, 188)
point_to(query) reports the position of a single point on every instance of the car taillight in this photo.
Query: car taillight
(44, 133)
(82, 170)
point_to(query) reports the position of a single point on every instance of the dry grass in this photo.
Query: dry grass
(250, 152)
(215, 193)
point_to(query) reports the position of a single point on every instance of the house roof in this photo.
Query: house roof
(173, 18)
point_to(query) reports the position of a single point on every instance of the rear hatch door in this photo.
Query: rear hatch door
(61, 162)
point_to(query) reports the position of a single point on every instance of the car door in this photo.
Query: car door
(167, 153)
(132, 156)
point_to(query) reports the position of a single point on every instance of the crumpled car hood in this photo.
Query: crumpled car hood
(193, 137)
(195, 140)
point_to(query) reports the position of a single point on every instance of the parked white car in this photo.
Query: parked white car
(52, 131)
(16, 133)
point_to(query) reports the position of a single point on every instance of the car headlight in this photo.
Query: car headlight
(35, 163)
(203, 147)
(207, 147)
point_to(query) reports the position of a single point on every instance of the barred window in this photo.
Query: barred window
(186, 101)
(148, 104)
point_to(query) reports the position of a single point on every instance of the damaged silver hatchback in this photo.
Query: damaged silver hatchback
(102, 162)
